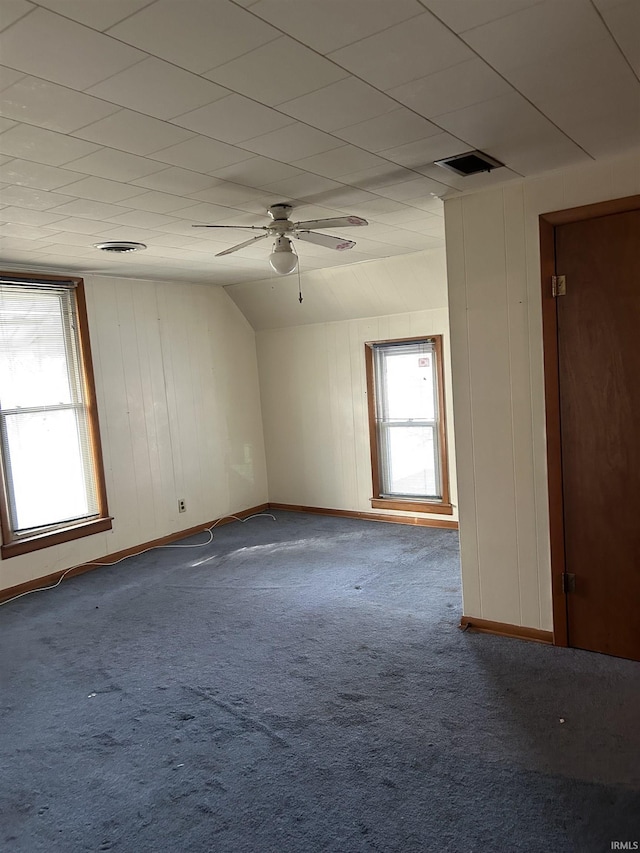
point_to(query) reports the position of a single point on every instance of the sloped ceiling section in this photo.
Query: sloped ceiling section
(136, 119)
(414, 282)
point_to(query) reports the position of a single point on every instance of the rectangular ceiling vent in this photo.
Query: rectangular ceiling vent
(469, 163)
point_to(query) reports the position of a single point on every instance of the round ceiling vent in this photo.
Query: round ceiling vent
(119, 246)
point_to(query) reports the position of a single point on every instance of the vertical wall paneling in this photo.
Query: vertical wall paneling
(179, 408)
(461, 400)
(520, 391)
(493, 260)
(314, 407)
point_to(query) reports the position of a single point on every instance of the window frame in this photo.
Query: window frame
(379, 501)
(13, 545)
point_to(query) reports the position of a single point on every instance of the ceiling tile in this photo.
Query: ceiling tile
(233, 119)
(327, 27)
(51, 106)
(201, 154)
(115, 165)
(206, 213)
(98, 16)
(54, 48)
(507, 119)
(291, 143)
(623, 19)
(28, 174)
(453, 88)
(88, 209)
(411, 50)
(463, 15)
(43, 146)
(159, 89)
(79, 226)
(527, 158)
(301, 187)
(599, 117)
(380, 205)
(341, 104)
(416, 188)
(23, 216)
(19, 244)
(142, 218)
(387, 131)
(8, 77)
(339, 161)
(157, 202)
(25, 232)
(278, 71)
(425, 151)
(211, 33)
(177, 181)
(342, 198)
(538, 34)
(6, 123)
(100, 189)
(378, 176)
(574, 71)
(257, 171)
(31, 198)
(12, 10)
(226, 193)
(132, 132)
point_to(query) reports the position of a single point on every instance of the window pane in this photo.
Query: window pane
(45, 454)
(411, 461)
(409, 386)
(33, 358)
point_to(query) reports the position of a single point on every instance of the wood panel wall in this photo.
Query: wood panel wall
(179, 408)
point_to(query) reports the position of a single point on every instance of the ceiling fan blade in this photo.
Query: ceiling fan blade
(336, 222)
(237, 227)
(328, 240)
(241, 245)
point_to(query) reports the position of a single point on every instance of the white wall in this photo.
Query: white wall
(179, 410)
(312, 369)
(496, 337)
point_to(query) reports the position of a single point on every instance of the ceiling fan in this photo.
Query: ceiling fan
(283, 259)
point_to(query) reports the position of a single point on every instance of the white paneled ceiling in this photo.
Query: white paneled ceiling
(136, 119)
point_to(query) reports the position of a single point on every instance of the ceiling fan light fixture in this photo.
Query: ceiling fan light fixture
(283, 260)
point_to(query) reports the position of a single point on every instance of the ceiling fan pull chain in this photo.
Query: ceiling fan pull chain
(299, 284)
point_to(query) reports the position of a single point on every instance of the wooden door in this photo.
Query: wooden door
(598, 340)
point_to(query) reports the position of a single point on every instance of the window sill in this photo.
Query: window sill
(412, 506)
(46, 540)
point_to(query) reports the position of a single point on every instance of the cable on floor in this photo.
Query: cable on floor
(209, 530)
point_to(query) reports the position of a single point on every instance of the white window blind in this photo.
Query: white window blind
(407, 420)
(45, 433)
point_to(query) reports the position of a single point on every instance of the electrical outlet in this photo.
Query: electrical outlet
(182, 505)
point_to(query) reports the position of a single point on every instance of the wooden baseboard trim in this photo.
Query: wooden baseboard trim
(503, 629)
(370, 516)
(50, 580)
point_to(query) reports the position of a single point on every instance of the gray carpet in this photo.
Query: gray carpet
(300, 686)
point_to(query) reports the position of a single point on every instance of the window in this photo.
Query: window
(52, 478)
(407, 425)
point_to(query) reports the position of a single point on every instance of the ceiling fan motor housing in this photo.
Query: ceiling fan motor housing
(280, 211)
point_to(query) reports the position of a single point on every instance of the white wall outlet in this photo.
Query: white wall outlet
(182, 505)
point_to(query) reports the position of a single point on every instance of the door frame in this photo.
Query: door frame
(548, 223)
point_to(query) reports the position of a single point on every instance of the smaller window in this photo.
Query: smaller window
(407, 425)
(53, 485)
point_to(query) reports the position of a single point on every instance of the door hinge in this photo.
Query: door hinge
(558, 285)
(568, 582)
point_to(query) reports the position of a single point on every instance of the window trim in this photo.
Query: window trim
(13, 545)
(378, 501)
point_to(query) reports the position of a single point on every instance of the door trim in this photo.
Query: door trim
(548, 223)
